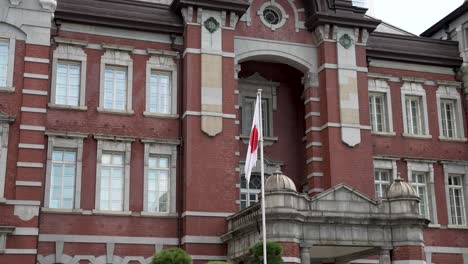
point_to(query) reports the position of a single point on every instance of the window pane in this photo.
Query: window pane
(67, 83)
(115, 88)
(3, 63)
(112, 182)
(62, 179)
(159, 92)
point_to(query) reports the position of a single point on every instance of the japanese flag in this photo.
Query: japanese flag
(255, 134)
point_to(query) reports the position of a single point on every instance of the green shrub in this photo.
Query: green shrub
(274, 251)
(172, 256)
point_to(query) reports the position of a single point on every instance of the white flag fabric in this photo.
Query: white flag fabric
(255, 134)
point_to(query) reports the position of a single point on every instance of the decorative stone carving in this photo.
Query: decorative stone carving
(211, 24)
(346, 41)
(310, 79)
(49, 5)
(187, 14)
(26, 212)
(16, 2)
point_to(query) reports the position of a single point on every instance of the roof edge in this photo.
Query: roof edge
(447, 19)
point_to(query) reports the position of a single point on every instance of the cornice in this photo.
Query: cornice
(237, 6)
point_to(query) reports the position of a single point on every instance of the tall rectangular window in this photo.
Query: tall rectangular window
(3, 63)
(160, 92)
(112, 182)
(68, 83)
(414, 116)
(115, 88)
(63, 178)
(248, 112)
(448, 115)
(158, 184)
(378, 112)
(249, 196)
(456, 200)
(419, 182)
(381, 182)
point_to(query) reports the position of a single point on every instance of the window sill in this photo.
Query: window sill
(453, 139)
(383, 134)
(61, 211)
(434, 226)
(7, 89)
(154, 214)
(457, 226)
(116, 112)
(68, 107)
(267, 141)
(114, 213)
(159, 115)
(417, 136)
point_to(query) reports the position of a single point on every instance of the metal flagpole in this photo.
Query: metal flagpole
(259, 97)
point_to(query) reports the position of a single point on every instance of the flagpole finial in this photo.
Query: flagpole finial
(259, 91)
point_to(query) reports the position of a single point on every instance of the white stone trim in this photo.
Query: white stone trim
(36, 60)
(451, 93)
(33, 110)
(462, 170)
(162, 63)
(274, 4)
(408, 262)
(4, 137)
(116, 57)
(204, 113)
(387, 164)
(208, 257)
(65, 141)
(31, 146)
(365, 261)
(414, 89)
(427, 167)
(335, 125)
(113, 146)
(446, 250)
(35, 92)
(201, 240)
(36, 76)
(377, 85)
(70, 53)
(29, 183)
(32, 128)
(26, 231)
(108, 239)
(23, 202)
(206, 214)
(19, 251)
(11, 62)
(291, 259)
(29, 164)
(410, 67)
(311, 99)
(168, 150)
(312, 114)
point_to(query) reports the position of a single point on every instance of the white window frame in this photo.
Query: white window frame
(162, 62)
(64, 140)
(386, 164)
(4, 137)
(119, 57)
(113, 144)
(167, 148)
(11, 42)
(248, 192)
(461, 169)
(248, 87)
(380, 86)
(427, 167)
(73, 54)
(450, 92)
(283, 15)
(416, 89)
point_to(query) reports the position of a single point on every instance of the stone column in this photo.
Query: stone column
(384, 257)
(305, 255)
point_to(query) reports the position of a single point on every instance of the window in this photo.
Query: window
(112, 182)
(418, 181)
(67, 89)
(381, 182)
(272, 15)
(3, 63)
(249, 196)
(450, 112)
(160, 177)
(414, 104)
(248, 112)
(63, 172)
(158, 184)
(161, 84)
(421, 177)
(247, 96)
(160, 92)
(69, 75)
(115, 88)
(113, 174)
(378, 112)
(456, 200)
(380, 106)
(116, 80)
(456, 189)
(63, 179)
(7, 60)
(4, 132)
